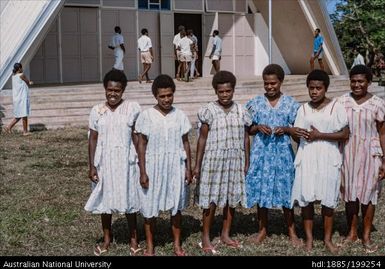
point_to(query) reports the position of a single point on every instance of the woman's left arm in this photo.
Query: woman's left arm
(186, 146)
(247, 149)
(381, 132)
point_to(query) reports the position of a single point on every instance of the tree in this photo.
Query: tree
(360, 24)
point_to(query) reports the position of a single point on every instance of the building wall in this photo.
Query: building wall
(82, 34)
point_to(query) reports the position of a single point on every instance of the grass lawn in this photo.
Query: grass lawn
(44, 187)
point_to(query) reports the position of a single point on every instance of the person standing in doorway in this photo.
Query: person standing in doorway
(177, 53)
(216, 52)
(117, 44)
(317, 50)
(146, 55)
(194, 69)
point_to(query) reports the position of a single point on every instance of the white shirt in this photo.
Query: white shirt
(217, 42)
(358, 60)
(116, 40)
(177, 38)
(184, 45)
(144, 43)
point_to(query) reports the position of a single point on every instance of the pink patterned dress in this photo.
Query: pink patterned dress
(362, 152)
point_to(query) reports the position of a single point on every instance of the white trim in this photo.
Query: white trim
(251, 5)
(59, 32)
(313, 25)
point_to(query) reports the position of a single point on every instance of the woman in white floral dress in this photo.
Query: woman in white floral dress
(164, 161)
(112, 160)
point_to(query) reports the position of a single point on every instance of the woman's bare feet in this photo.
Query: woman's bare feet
(258, 239)
(331, 247)
(308, 245)
(295, 241)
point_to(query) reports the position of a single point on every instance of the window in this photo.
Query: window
(154, 4)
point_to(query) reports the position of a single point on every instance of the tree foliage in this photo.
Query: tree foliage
(360, 24)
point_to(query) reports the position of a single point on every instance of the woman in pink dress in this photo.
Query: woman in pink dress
(364, 163)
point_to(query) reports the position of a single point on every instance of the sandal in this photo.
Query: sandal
(98, 251)
(208, 250)
(134, 251)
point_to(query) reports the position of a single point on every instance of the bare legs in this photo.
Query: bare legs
(308, 216)
(320, 61)
(208, 218)
(16, 120)
(146, 68)
(149, 225)
(263, 222)
(216, 65)
(352, 210)
(107, 231)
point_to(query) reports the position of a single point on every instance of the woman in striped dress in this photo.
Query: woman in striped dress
(222, 158)
(364, 162)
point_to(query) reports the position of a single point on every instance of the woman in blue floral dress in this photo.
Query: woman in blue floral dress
(271, 173)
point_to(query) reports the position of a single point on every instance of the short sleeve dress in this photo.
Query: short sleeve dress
(271, 173)
(115, 160)
(318, 163)
(362, 152)
(222, 176)
(165, 161)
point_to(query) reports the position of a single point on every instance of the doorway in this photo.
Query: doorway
(194, 22)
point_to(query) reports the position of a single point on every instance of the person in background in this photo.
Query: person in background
(117, 45)
(216, 52)
(194, 70)
(358, 58)
(146, 55)
(317, 50)
(177, 52)
(20, 97)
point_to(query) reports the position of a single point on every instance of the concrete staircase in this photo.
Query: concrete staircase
(60, 106)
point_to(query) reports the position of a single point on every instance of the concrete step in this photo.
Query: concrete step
(70, 105)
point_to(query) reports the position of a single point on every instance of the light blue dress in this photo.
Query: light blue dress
(271, 173)
(115, 160)
(20, 94)
(165, 161)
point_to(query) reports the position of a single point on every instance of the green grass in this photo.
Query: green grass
(44, 187)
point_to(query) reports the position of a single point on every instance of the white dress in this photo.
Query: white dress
(165, 161)
(318, 163)
(115, 160)
(20, 94)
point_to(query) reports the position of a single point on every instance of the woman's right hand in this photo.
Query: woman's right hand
(264, 129)
(196, 174)
(93, 174)
(144, 181)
